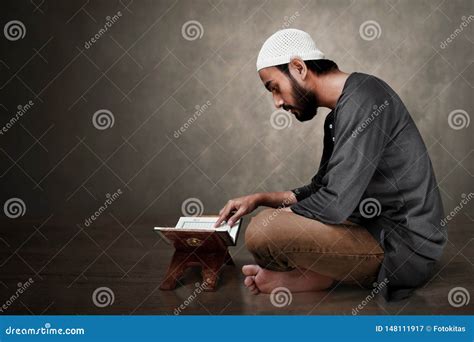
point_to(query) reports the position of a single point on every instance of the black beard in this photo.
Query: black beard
(306, 101)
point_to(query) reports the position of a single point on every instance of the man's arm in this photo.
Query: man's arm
(238, 207)
(360, 140)
(277, 199)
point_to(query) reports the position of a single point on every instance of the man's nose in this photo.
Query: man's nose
(278, 101)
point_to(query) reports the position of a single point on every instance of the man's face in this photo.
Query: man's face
(289, 94)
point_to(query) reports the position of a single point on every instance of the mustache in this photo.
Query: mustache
(287, 107)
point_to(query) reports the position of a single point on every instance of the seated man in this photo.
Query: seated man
(373, 210)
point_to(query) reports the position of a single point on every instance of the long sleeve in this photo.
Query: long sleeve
(302, 192)
(363, 123)
(378, 152)
(305, 191)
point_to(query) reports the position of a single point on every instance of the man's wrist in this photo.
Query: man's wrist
(260, 198)
(290, 199)
(275, 199)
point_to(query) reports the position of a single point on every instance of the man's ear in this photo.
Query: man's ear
(297, 68)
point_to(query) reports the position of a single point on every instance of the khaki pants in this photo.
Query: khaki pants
(282, 241)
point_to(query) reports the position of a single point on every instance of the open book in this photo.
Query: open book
(227, 233)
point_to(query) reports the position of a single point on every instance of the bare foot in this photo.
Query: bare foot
(298, 280)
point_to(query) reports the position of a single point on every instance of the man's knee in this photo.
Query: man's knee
(272, 232)
(259, 236)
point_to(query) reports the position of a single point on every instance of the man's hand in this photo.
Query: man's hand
(236, 208)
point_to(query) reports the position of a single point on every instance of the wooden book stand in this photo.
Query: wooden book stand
(197, 248)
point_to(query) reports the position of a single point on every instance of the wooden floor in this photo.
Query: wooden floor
(68, 262)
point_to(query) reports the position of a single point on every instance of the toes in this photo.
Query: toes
(250, 270)
(253, 288)
(255, 291)
(249, 281)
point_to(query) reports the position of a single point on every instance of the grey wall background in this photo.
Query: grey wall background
(151, 78)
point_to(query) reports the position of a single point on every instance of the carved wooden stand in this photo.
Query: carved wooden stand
(197, 248)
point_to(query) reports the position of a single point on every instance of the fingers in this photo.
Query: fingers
(219, 221)
(236, 216)
(224, 213)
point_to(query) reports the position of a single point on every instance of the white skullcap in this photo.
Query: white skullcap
(286, 44)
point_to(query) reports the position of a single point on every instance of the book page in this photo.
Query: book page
(198, 224)
(206, 223)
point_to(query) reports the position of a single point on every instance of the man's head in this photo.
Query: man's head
(289, 64)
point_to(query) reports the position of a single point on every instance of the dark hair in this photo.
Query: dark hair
(318, 66)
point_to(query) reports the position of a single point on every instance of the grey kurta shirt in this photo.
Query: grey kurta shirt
(375, 171)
